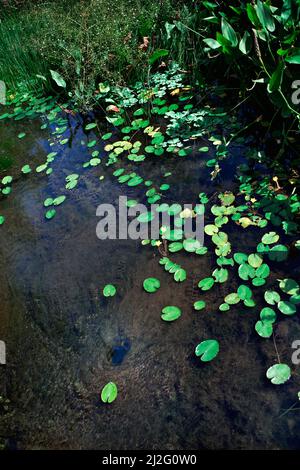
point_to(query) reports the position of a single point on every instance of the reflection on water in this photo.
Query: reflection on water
(65, 341)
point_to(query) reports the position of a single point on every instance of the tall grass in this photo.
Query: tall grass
(87, 41)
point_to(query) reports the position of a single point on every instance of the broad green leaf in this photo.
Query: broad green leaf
(279, 374)
(207, 350)
(151, 284)
(109, 392)
(109, 290)
(228, 32)
(170, 313)
(58, 79)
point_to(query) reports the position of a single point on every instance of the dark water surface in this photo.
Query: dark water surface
(65, 341)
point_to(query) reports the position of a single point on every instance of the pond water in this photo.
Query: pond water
(65, 341)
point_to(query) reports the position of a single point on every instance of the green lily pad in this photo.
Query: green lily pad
(279, 374)
(270, 238)
(109, 392)
(151, 284)
(25, 169)
(286, 307)
(232, 299)
(271, 297)
(264, 328)
(206, 283)
(267, 314)
(199, 305)
(50, 214)
(170, 313)
(255, 260)
(289, 286)
(109, 290)
(207, 350)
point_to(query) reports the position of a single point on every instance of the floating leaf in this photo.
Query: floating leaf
(199, 305)
(264, 329)
(279, 373)
(267, 314)
(255, 260)
(271, 297)
(207, 350)
(170, 313)
(289, 286)
(151, 284)
(50, 214)
(270, 238)
(109, 392)
(206, 283)
(286, 307)
(180, 275)
(109, 290)
(232, 299)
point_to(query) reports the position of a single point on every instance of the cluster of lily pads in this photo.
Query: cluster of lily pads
(161, 121)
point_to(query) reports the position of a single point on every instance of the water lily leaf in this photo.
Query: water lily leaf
(207, 350)
(175, 246)
(278, 253)
(199, 305)
(232, 299)
(210, 229)
(180, 275)
(50, 214)
(109, 392)
(151, 284)
(2, 219)
(271, 297)
(286, 307)
(264, 329)
(191, 245)
(246, 271)
(267, 314)
(145, 217)
(170, 313)
(224, 307)
(220, 275)
(206, 283)
(109, 290)
(244, 292)
(270, 238)
(227, 198)
(279, 373)
(240, 258)
(258, 281)
(25, 169)
(255, 260)
(263, 271)
(48, 202)
(289, 286)
(59, 200)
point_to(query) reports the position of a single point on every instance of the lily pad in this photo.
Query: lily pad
(207, 350)
(109, 290)
(170, 313)
(151, 284)
(199, 305)
(109, 392)
(279, 374)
